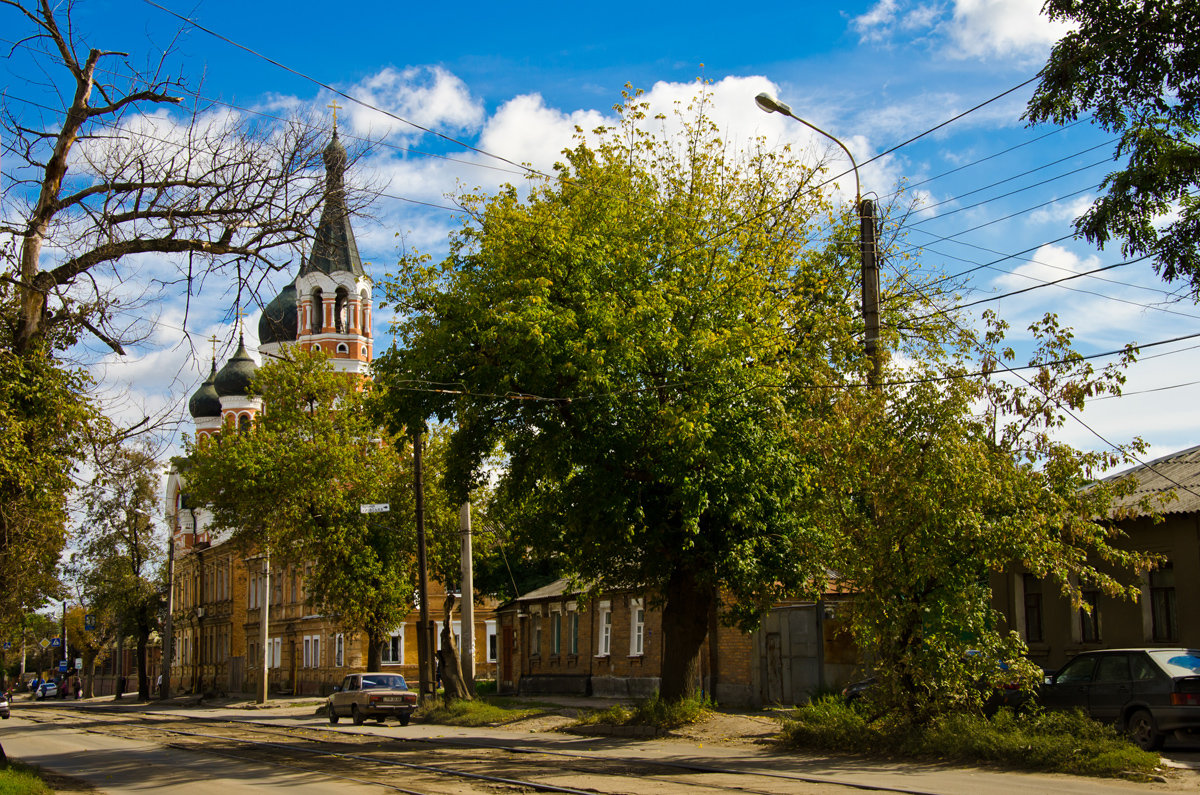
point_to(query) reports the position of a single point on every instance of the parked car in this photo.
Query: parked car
(1148, 692)
(4, 711)
(371, 695)
(46, 690)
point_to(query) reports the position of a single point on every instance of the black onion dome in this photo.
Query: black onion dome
(278, 322)
(234, 378)
(335, 157)
(206, 402)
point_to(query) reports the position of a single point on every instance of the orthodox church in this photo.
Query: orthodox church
(217, 591)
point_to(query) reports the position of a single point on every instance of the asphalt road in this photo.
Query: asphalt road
(116, 765)
(119, 765)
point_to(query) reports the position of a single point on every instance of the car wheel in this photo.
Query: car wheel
(405, 718)
(333, 716)
(356, 715)
(1143, 731)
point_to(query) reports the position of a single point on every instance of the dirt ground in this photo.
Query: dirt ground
(719, 728)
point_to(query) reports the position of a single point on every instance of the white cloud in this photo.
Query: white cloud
(1063, 211)
(981, 29)
(1005, 28)
(429, 96)
(525, 130)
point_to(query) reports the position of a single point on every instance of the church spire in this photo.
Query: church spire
(335, 248)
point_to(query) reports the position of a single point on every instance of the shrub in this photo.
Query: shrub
(652, 712)
(19, 779)
(1061, 742)
(480, 712)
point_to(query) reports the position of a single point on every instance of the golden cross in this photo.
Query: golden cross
(213, 340)
(335, 107)
(239, 314)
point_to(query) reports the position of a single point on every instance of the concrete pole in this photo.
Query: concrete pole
(263, 639)
(425, 642)
(164, 690)
(870, 289)
(467, 608)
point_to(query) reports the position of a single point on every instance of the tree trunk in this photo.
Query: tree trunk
(89, 672)
(143, 642)
(374, 651)
(454, 687)
(685, 626)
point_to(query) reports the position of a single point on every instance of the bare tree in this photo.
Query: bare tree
(119, 173)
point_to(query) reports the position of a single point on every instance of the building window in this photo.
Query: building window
(1089, 620)
(490, 629)
(536, 651)
(1033, 609)
(637, 629)
(573, 632)
(339, 650)
(556, 633)
(343, 348)
(393, 648)
(1162, 603)
(277, 652)
(605, 630)
(312, 651)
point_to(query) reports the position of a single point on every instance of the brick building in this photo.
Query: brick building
(553, 641)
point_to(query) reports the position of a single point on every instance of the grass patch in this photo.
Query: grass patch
(651, 712)
(480, 712)
(1058, 742)
(20, 779)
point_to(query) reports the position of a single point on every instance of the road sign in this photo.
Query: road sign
(7, 645)
(379, 507)
(78, 663)
(56, 643)
(62, 666)
(89, 622)
(44, 643)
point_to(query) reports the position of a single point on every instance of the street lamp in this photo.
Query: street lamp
(866, 240)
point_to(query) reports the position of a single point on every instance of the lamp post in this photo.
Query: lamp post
(866, 241)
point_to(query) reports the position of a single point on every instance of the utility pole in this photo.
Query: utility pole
(164, 690)
(64, 635)
(467, 608)
(425, 643)
(870, 288)
(263, 639)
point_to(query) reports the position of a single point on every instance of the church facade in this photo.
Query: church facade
(217, 590)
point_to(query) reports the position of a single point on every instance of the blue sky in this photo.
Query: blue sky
(514, 80)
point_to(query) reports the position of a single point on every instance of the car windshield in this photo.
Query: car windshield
(1178, 662)
(384, 680)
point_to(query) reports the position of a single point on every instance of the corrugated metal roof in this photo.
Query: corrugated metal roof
(1178, 472)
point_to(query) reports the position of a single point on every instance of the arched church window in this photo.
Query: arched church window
(339, 310)
(318, 309)
(243, 422)
(343, 348)
(364, 351)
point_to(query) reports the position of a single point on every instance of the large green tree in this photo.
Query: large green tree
(931, 487)
(1135, 67)
(644, 336)
(292, 484)
(47, 424)
(118, 562)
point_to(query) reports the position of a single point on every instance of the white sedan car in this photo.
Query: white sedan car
(371, 695)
